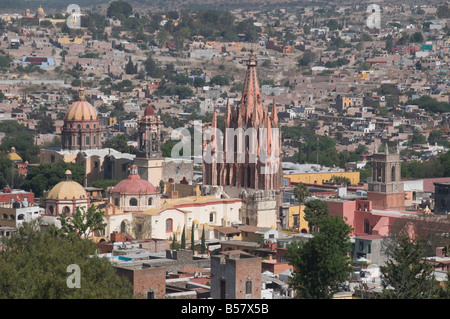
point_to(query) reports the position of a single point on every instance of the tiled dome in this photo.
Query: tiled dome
(134, 184)
(149, 109)
(81, 110)
(67, 189)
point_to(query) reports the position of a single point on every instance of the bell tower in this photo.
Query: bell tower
(386, 189)
(149, 159)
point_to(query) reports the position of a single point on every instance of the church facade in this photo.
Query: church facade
(247, 156)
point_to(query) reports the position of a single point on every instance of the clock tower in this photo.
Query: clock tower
(386, 190)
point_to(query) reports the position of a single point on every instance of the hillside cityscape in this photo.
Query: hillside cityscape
(224, 150)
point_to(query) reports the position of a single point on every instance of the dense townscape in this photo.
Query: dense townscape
(292, 151)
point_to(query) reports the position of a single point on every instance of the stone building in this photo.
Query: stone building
(65, 197)
(247, 156)
(135, 194)
(385, 191)
(149, 158)
(442, 198)
(235, 275)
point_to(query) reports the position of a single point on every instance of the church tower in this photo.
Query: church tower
(149, 159)
(81, 129)
(247, 156)
(386, 189)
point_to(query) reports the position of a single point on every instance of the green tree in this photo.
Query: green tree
(7, 168)
(34, 265)
(82, 222)
(44, 176)
(152, 68)
(183, 238)
(301, 192)
(307, 58)
(203, 245)
(321, 263)
(130, 68)
(161, 186)
(315, 210)
(119, 10)
(21, 138)
(389, 43)
(417, 138)
(406, 275)
(174, 241)
(192, 238)
(120, 144)
(45, 124)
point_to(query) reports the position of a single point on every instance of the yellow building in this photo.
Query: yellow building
(321, 178)
(69, 40)
(297, 220)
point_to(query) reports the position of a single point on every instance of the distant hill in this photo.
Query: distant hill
(100, 6)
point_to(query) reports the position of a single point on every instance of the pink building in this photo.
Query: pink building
(365, 220)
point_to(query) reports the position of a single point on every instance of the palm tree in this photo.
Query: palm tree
(301, 192)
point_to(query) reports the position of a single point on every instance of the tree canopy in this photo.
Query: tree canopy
(315, 210)
(34, 265)
(43, 177)
(406, 275)
(321, 263)
(119, 10)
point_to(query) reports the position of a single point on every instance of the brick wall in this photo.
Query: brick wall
(146, 280)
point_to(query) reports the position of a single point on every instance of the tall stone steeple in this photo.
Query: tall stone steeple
(248, 141)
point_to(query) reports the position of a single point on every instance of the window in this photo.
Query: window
(66, 210)
(150, 201)
(211, 217)
(88, 140)
(5, 216)
(169, 225)
(133, 202)
(116, 201)
(248, 287)
(21, 217)
(12, 217)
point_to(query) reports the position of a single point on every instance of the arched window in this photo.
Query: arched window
(79, 126)
(393, 173)
(123, 227)
(21, 217)
(66, 210)
(50, 210)
(133, 202)
(12, 217)
(150, 201)
(169, 225)
(116, 201)
(5, 216)
(87, 125)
